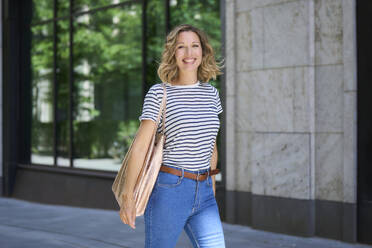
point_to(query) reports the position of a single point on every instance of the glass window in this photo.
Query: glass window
(42, 94)
(99, 91)
(155, 36)
(42, 10)
(85, 5)
(107, 85)
(63, 7)
(63, 92)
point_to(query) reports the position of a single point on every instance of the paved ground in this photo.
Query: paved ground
(29, 225)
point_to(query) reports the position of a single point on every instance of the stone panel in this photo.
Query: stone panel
(349, 45)
(230, 143)
(280, 165)
(230, 49)
(243, 161)
(244, 103)
(329, 167)
(230, 96)
(245, 5)
(329, 98)
(273, 100)
(286, 29)
(350, 147)
(249, 40)
(302, 81)
(328, 32)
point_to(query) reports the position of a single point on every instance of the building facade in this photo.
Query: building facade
(291, 101)
(296, 131)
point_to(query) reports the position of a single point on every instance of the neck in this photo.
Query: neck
(185, 79)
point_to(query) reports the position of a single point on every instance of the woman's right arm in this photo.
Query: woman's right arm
(135, 162)
(138, 153)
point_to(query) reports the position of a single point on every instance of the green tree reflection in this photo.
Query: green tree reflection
(107, 73)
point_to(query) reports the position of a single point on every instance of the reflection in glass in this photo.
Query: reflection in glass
(107, 85)
(85, 5)
(63, 8)
(63, 103)
(154, 39)
(42, 94)
(42, 10)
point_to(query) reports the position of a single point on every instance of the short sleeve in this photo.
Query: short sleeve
(151, 106)
(218, 103)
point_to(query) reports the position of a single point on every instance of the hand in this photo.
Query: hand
(128, 211)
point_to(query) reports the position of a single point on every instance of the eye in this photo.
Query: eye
(180, 46)
(196, 45)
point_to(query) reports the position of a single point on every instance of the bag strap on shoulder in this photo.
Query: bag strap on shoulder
(162, 110)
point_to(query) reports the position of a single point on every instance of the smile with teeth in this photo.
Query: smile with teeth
(189, 61)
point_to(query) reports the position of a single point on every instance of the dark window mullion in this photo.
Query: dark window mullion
(55, 86)
(144, 41)
(222, 147)
(71, 81)
(167, 17)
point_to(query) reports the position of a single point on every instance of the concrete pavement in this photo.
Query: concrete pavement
(26, 224)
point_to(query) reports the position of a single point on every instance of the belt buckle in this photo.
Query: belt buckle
(197, 177)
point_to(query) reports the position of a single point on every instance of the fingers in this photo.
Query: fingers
(133, 218)
(131, 223)
(128, 217)
(123, 217)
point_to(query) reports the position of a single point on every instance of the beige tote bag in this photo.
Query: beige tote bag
(150, 169)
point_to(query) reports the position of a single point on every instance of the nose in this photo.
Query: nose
(188, 51)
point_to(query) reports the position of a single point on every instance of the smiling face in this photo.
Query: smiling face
(188, 52)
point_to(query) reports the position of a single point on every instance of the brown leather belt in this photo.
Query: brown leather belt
(201, 177)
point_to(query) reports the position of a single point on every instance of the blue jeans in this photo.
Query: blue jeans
(177, 203)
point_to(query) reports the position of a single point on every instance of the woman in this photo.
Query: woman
(184, 193)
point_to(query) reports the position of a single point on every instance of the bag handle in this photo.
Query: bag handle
(162, 109)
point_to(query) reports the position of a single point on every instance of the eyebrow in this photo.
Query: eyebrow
(183, 42)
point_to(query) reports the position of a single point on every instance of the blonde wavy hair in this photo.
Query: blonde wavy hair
(168, 70)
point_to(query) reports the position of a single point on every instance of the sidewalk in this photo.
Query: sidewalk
(27, 225)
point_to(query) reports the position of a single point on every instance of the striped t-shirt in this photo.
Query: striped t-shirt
(191, 123)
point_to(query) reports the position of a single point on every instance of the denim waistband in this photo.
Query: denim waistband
(200, 171)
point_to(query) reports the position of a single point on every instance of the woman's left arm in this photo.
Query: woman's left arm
(214, 165)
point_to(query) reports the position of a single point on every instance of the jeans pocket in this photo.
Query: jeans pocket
(167, 180)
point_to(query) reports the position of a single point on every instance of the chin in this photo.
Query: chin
(189, 68)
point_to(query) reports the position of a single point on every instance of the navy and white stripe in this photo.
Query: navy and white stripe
(191, 123)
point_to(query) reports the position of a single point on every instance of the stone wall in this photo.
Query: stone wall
(291, 98)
